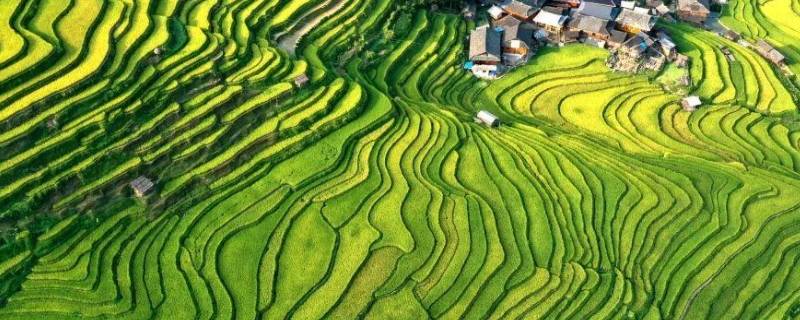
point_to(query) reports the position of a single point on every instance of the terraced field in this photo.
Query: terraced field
(370, 192)
(774, 20)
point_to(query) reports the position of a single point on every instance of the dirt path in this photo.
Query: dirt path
(288, 42)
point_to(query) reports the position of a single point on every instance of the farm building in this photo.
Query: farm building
(638, 52)
(693, 11)
(691, 103)
(485, 46)
(635, 21)
(301, 80)
(517, 38)
(141, 186)
(667, 45)
(603, 9)
(594, 30)
(615, 39)
(487, 119)
(732, 35)
(552, 23)
(769, 52)
(520, 10)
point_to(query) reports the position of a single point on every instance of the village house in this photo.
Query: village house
(654, 60)
(770, 53)
(638, 52)
(693, 11)
(603, 9)
(594, 30)
(141, 186)
(731, 35)
(520, 10)
(517, 40)
(485, 46)
(635, 21)
(485, 52)
(616, 39)
(668, 47)
(551, 23)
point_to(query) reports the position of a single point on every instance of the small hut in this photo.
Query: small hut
(141, 186)
(301, 80)
(52, 123)
(691, 103)
(487, 119)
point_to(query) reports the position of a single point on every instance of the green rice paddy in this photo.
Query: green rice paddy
(371, 192)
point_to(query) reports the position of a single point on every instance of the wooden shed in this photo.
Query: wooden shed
(142, 186)
(301, 80)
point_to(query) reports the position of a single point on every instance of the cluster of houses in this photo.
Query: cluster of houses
(517, 28)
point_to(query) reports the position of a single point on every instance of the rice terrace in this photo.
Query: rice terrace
(399, 159)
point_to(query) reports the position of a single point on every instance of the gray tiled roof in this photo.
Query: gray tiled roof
(617, 36)
(520, 8)
(639, 20)
(142, 185)
(514, 29)
(598, 10)
(485, 41)
(589, 24)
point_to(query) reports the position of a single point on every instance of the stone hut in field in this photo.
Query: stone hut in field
(142, 186)
(301, 80)
(691, 103)
(767, 51)
(552, 23)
